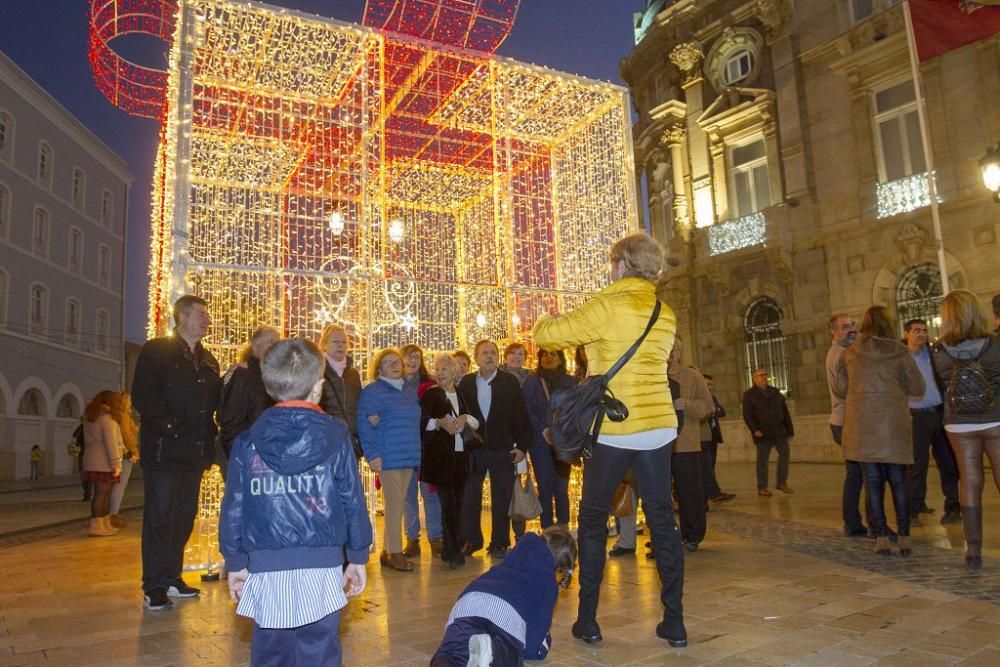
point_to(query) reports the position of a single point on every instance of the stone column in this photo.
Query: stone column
(673, 137)
(687, 56)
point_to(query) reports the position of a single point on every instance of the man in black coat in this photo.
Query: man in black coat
(766, 415)
(494, 399)
(176, 392)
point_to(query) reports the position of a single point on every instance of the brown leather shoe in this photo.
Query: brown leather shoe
(399, 562)
(383, 559)
(784, 488)
(436, 546)
(764, 491)
(412, 548)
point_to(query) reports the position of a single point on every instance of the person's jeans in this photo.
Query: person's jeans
(709, 483)
(496, 463)
(118, 490)
(850, 499)
(929, 438)
(432, 511)
(651, 474)
(552, 477)
(317, 643)
(690, 499)
(454, 648)
(763, 459)
(876, 475)
(170, 503)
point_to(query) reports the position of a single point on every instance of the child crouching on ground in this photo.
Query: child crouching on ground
(293, 505)
(503, 617)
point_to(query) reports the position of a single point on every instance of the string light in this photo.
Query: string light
(750, 230)
(903, 195)
(311, 172)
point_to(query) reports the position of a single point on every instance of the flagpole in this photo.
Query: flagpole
(925, 137)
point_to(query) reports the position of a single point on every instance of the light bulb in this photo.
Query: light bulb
(516, 320)
(480, 320)
(396, 231)
(336, 223)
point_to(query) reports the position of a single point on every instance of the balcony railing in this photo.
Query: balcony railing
(750, 230)
(903, 195)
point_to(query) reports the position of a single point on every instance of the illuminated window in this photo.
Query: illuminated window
(897, 131)
(103, 330)
(918, 296)
(45, 164)
(79, 187)
(751, 191)
(104, 266)
(40, 233)
(738, 67)
(764, 344)
(72, 327)
(38, 310)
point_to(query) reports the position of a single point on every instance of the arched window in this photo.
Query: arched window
(38, 310)
(79, 188)
(6, 135)
(103, 330)
(739, 66)
(765, 345)
(918, 296)
(68, 407)
(75, 259)
(45, 158)
(104, 266)
(106, 208)
(72, 328)
(40, 232)
(32, 404)
(4, 211)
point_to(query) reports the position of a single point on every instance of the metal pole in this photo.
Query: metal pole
(925, 138)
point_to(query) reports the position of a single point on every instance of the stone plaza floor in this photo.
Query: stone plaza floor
(774, 583)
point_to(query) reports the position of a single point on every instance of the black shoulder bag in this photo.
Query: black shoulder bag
(576, 413)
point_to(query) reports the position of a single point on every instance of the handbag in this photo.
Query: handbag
(524, 504)
(621, 502)
(576, 413)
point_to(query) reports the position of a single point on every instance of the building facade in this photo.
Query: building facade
(63, 212)
(781, 155)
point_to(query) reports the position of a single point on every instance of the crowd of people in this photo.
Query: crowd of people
(293, 418)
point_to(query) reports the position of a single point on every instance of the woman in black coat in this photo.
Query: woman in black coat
(243, 395)
(341, 381)
(443, 461)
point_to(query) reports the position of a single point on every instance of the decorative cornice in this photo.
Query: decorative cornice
(674, 135)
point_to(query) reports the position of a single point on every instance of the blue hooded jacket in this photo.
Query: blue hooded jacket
(293, 496)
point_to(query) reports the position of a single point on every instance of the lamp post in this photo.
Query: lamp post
(989, 165)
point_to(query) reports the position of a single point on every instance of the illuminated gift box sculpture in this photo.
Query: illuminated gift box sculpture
(312, 171)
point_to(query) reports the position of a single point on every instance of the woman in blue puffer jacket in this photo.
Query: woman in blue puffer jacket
(392, 448)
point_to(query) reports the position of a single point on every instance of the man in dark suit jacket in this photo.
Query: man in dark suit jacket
(495, 400)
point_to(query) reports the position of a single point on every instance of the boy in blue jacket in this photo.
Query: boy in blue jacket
(293, 506)
(503, 617)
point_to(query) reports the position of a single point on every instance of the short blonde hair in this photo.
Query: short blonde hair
(377, 360)
(963, 316)
(330, 329)
(448, 359)
(642, 254)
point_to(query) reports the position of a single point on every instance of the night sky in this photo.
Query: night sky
(48, 40)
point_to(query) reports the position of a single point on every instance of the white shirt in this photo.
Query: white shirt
(484, 393)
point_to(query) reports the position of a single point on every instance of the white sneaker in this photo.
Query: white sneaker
(480, 651)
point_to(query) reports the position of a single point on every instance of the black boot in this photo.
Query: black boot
(669, 558)
(972, 524)
(592, 540)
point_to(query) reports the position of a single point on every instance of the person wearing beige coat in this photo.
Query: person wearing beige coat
(877, 375)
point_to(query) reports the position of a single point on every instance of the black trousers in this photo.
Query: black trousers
(451, 498)
(929, 438)
(498, 465)
(454, 648)
(709, 484)
(170, 504)
(850, 499)
(686, 468)
(876, 475)
(317, 643)
(651, 473)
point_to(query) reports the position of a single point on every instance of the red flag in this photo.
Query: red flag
(940, 26)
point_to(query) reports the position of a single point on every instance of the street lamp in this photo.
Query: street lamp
(990, 167)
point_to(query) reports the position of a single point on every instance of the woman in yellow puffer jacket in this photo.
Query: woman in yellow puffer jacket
(607, 325)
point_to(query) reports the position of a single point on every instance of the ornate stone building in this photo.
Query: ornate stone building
(780, 152)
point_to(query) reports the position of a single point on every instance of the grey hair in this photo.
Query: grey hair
(291, 368)
(447, 359)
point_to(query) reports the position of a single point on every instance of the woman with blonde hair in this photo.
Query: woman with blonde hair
(877, 375)
(608, 325)
(102, 459)
(968, 364)
(392, 448)
(121, 412)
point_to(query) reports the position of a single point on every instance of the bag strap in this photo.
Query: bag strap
(635, 346)
(545, 388)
